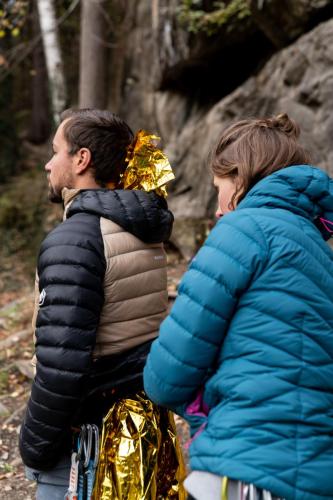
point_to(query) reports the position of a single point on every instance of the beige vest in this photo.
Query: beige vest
(135, 289)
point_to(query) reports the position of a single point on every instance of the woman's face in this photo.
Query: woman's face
(226, 187)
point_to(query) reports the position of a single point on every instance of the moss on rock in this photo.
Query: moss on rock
(223, 14)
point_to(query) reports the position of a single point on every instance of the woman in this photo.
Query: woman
(250, 337)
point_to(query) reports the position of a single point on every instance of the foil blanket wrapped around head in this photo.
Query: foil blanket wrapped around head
(148, 168)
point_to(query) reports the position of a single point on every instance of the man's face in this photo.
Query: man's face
(60, 167)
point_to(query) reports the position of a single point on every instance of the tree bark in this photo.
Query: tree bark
(123, 11)
(93, 55)
(53, 58)
(40, 124)
(155, 14)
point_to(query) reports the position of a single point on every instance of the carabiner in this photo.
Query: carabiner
(87, 445)
(95, 431)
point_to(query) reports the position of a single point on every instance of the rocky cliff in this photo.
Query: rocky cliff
(189, 81)
(297, 80)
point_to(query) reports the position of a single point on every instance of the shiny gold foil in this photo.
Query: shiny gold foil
(140, 457)
(148, 167)
(225, 488)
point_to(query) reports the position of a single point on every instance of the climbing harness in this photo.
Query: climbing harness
(83, 464)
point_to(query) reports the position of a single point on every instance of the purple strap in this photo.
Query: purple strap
(199, 431)
(198, 407)
(327, 223)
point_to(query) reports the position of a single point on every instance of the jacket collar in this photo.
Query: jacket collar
(301, 189)
(68, 196)
(143, 214)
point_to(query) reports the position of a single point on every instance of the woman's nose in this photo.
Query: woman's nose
(218, 213)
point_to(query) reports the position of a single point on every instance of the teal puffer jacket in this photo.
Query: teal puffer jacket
(253, 327)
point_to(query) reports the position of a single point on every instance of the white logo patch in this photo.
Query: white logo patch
(42, 297)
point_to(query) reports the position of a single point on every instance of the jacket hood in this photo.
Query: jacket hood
(145, 215)
(302, 189)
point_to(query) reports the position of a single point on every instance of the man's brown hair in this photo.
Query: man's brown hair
(105, 135)
(249, 150)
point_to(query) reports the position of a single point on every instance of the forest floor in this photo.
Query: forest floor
(16, 350)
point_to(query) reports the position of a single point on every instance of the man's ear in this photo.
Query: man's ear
(83, 160)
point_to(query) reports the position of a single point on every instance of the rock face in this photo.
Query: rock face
(298, 80)
(284, 20)
(163, 71)
(196, 49)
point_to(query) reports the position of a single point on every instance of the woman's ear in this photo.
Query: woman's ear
(82, 160)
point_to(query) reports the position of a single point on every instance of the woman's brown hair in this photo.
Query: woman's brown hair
(249, 150)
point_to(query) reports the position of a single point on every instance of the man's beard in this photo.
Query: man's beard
(54, 193)
(53, 196)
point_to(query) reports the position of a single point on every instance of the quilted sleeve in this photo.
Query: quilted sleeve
(71, 271)
(191, 336)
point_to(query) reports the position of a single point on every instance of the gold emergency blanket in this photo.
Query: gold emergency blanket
(148, 168)
(140, 457)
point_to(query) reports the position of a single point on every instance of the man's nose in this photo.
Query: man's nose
(218, 213)
(47, 166)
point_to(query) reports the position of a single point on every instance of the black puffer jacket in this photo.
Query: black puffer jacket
(71, 269)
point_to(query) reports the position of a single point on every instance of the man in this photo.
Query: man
(102, 292)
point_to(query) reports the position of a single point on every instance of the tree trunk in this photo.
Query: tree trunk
(53, 58)
(93, 55)
(124, 12)
(155, 14)
(8, 138)
(40, 125)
